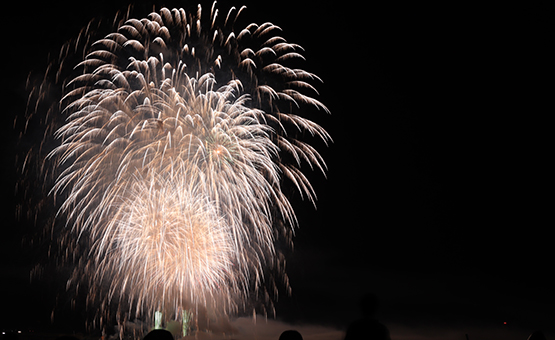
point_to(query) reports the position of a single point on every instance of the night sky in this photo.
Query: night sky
(437, 195)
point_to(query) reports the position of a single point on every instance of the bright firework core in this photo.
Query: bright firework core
(168, 159)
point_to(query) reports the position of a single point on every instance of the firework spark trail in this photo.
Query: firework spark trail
(168, 162)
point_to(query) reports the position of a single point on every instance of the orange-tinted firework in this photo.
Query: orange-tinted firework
(165, 157)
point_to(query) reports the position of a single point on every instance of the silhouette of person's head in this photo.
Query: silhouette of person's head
(290, 335)
(369, 305)
(368, 327)
(537, 335)
(159, 334)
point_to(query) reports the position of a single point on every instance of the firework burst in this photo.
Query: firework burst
(166, 154)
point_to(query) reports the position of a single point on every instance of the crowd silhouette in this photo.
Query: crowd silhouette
(366, 328)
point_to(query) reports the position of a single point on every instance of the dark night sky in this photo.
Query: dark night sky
(437, 195)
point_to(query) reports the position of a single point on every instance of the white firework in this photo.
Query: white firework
(168, 157)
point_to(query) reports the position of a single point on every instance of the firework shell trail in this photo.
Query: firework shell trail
(165, 155)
